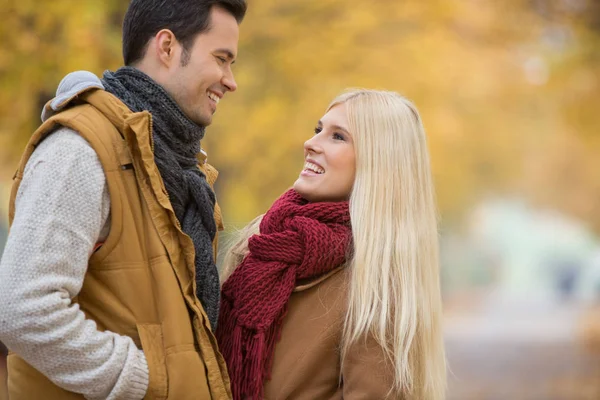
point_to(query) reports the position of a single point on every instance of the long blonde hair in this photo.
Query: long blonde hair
(394, 289)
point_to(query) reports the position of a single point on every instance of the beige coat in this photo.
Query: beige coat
(307, 363)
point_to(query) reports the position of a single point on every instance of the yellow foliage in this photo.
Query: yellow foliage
(504, 89)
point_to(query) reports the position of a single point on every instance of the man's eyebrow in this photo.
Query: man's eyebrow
(228, 53)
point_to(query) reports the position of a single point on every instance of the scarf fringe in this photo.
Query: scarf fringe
(245, 352)
(231, 349)
(254, 367)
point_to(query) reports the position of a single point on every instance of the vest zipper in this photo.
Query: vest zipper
(177, 223)
(151, 137)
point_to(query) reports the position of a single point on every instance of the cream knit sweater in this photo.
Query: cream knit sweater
(62, 207)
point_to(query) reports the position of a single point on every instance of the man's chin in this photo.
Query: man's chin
(202, 120)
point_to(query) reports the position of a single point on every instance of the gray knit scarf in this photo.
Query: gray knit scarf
(176, 144)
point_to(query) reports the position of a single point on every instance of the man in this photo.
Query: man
(108, 286)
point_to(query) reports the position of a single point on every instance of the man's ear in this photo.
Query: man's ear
(166, 47)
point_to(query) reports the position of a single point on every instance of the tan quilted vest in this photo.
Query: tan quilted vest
(140, 283)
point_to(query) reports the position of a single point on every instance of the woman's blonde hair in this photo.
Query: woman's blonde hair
(394, 289)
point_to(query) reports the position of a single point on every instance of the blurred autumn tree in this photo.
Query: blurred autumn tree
(508, 90)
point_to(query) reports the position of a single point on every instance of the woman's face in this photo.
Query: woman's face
(329, 160)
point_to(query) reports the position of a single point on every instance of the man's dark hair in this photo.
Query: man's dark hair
(185, 18)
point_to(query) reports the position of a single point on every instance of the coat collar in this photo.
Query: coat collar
(307, 284)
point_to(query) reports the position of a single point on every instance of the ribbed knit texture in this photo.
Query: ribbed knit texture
(176, 145)
(297, 240)
(61, 207)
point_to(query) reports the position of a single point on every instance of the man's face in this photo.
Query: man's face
(198, 81)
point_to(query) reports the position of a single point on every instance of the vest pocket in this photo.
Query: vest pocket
(151, 337)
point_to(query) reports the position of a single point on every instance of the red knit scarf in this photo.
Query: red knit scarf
(297, 240)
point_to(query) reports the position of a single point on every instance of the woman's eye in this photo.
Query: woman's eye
(318, 130)
(337, 136)
(222, 59)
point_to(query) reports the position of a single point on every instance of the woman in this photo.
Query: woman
(334, 293)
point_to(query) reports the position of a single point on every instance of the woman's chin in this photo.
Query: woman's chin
(301, 189)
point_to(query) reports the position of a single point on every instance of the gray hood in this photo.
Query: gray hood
(69, 88)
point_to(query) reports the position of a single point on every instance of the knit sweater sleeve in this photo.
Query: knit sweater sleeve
(61, 206)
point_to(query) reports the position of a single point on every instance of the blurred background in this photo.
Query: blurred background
(509, 92)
